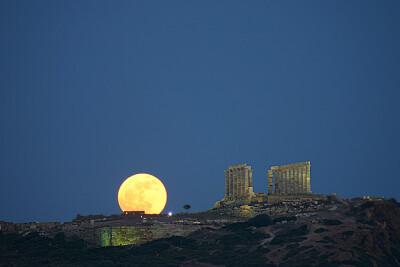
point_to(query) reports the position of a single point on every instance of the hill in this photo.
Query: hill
(354, 232)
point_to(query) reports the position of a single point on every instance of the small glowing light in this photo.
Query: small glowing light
(170, 213)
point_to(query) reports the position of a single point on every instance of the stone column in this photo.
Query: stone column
(242, 180)
(234, 179)
(296, 178)
(287, 181)
(304, 179)
(308, 178)
(243, 187)
(246, 180)
(291, 181)
(230, 183)
(250, 181)
(301, 191)
(279, 180)
(237, 170)
(282, 181)
(226, 183)
(238, 181)
(270, 182)
(287, 176)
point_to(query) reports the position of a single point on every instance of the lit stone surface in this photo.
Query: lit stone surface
(290, 179)
(238, 181)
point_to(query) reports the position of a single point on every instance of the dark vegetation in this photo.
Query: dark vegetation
(327, 239)
(257, 221)
(287, 219)
(320, 230)
(348, 233)
(238, 244)
(238, 248)
(393, 200)
(261, 220)
(367, 205)
(331, 222)
(295, 251)
(295, 235)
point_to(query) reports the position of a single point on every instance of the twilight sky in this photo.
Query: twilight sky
(92, 92)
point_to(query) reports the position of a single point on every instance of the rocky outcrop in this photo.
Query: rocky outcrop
(380, 221)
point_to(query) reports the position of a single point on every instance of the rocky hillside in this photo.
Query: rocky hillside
(343, 233)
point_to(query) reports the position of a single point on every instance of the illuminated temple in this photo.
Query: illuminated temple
(285, 182)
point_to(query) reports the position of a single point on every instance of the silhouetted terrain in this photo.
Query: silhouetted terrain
(356, 233)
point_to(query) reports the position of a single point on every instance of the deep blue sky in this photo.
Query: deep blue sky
(92, 92)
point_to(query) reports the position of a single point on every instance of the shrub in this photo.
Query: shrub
(295, 235)
(261, 249)
(152, 247)
(327, 239)
(320, 230)
(242, 237)
(295, 251)
(331, 222)
(285, 239)
(257, 221)
(288, 219)
(367, 205)
(234, 227)
(59, 237)
(348, 233)
(260, 221)
(393, 200)
(370, 222)
(180, 241)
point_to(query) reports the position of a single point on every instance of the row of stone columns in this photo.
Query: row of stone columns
(238, 180)
(290, 179)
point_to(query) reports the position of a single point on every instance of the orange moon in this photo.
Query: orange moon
(142, 192)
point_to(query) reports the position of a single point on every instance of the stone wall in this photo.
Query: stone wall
(29, 227)
(129, 235)
(7, 226)
(278, 206)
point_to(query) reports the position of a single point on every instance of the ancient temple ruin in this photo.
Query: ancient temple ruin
(291, 179)
(289, 182)
(238, 181)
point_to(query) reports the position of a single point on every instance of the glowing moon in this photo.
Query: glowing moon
(142, 192)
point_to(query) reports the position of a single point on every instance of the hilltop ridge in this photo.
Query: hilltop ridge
(353, 232)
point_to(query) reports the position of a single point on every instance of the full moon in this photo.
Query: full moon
(142, 192)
